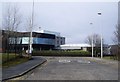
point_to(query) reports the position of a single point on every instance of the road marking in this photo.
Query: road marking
(82, 61)
(79, 61)
(64, 61)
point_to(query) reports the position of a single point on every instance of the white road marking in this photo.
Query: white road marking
(82, 61)
(64, 61)
(68, 61)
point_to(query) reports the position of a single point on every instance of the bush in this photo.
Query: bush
(62, 53)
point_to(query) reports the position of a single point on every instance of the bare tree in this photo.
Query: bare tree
(117, 35)
(12, 18)
(1, 40)
(28, 24)
(96, 42)
(116, 40)
(96, 39)
(11, 23)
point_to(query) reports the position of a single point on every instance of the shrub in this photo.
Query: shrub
(61, 53)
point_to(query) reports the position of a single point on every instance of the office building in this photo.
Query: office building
(41, 40)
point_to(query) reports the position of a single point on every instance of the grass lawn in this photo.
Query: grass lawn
(110, 58)
(14, 62)
(6, 57)
(11, 59)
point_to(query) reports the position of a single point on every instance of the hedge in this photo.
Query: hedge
(62, 53)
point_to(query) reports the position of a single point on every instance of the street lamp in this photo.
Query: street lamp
(92, 41)
(31, 40)
(99, 14)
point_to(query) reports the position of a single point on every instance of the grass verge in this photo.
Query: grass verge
(11, 59)
(110, 58)
(14, 62)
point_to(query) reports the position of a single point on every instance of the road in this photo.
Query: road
(75, 68)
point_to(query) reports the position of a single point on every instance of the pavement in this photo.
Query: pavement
(111, 63)
(21, 69)
(75, 68)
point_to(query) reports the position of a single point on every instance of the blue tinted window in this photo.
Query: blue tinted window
(43, 41)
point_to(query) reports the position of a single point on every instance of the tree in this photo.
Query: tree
(12, 18)
(117, 41)
(11, 23)
(96, 39)
(1, 40)
(117, 35)
(96, 42)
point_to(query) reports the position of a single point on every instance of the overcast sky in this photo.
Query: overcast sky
(72, 19)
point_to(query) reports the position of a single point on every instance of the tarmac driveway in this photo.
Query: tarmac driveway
(75, 68)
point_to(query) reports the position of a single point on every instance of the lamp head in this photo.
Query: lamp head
(99, 13)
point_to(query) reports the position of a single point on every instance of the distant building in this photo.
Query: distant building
(59, 40)
(114, 49)
(85, 47)
(42, 40)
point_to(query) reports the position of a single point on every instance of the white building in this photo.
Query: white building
(75, 47)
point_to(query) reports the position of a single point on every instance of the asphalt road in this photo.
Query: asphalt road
(75, 68)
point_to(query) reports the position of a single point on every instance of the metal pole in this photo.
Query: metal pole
(92, 42)
(99, 14)
(30, 51)
(101, 47)
(92, 46)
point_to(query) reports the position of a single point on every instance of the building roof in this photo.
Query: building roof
(48, 32)
(80, 45)
(74, 46)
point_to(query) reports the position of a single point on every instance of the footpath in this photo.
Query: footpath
(21, 69)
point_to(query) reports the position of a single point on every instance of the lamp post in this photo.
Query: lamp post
(99, 14)
(92, 42)
(30, 44)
